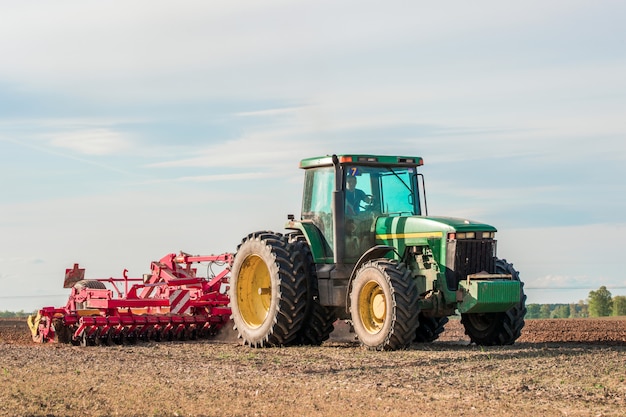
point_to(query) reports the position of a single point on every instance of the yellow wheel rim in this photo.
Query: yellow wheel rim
(372, 307)
(254, 291)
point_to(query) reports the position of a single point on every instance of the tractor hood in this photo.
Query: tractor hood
(417, 230)
(460, 225)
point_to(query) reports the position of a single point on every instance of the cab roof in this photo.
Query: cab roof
(360, 159)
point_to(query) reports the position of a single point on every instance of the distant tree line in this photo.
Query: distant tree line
(11, 314)
(600, 303)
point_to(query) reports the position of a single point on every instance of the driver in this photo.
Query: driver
(354, 196)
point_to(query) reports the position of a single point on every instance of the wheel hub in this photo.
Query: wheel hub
(254, 291)
(372, 307)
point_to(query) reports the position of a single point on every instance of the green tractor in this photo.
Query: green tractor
(366, 251)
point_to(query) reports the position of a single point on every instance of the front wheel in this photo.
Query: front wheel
(503, 328)
(383, 305)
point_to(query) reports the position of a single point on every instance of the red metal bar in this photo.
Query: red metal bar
(126, 303)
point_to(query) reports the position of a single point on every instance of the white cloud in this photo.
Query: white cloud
(274, 148)
(247, 48)
(92, 141)
(559, 281)
(270, 112)
(88, 136)
(226, 177)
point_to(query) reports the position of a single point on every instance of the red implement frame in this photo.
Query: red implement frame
(170, 303)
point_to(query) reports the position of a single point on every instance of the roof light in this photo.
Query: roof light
(344, 159)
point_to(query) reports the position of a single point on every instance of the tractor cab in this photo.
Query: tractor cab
(345, 195)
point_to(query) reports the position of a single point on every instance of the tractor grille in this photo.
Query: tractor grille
(469, 256)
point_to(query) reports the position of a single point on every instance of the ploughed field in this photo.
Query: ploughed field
(567, 367)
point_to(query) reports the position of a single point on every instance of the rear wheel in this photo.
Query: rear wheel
(383, 305)
(267, 295)
(318, 320)
(497, 328)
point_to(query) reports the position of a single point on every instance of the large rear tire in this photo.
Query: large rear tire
(267, 295)
(318, 320)
(383, 305)
(490, 329)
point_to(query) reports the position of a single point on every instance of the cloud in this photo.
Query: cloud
(29, 143)
(87, 136)
(253, 49)
(24, 260)
(92, 141)
(559, 281)
(271, 112)
(242, 154)
(275, 145)
(222, 177)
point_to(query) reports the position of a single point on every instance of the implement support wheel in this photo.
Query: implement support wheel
(88, 283)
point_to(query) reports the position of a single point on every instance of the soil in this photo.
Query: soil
(567, 367)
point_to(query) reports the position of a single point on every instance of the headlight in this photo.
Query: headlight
(471, 235)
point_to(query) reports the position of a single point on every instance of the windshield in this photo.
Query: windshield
(387, 190)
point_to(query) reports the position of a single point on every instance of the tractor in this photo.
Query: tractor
(366, 251)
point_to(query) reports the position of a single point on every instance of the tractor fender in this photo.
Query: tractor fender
(314, 236)
(375, 252)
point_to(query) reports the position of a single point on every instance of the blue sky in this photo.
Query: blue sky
(132, 130)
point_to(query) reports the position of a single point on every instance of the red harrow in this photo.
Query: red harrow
(170, 303)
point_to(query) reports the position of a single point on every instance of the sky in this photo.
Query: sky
(130, 130)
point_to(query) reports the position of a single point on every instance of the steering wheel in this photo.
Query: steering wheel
(364, 206)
